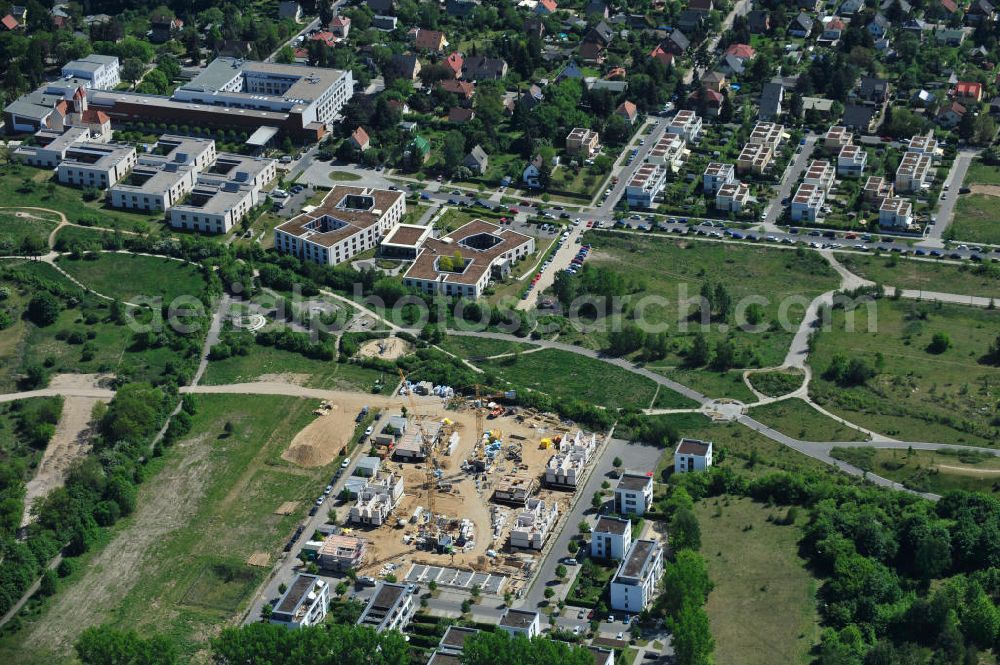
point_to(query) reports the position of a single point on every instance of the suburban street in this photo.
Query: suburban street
(946, 209)
(789, 179)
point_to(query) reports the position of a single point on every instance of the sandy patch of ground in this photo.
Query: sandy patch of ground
(321, 440)
(287, 508)
(969, 471)
(390, 348)
(989, 190)
(70, 442)
(296, 379)
(166, 503)
(76, 381)
(259, 559)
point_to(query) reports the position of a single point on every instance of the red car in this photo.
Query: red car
(590, 614)
(515, 210)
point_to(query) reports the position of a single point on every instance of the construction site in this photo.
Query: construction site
(472, 494)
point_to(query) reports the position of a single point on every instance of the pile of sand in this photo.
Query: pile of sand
(320, 441)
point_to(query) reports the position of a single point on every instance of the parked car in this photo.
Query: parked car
(346, 463)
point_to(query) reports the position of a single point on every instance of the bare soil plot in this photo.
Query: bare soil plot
(259, 559)
(321, 440)
(287, 508)
(389, 348)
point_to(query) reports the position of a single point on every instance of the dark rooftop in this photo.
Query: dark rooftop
(614, 525)
(518, 618)
(455, 636)
(693, 447)
(635, 563)
(635, 481)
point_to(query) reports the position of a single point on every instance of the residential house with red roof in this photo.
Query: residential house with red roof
(968, 91)
(664, 57)
(454, 62)
(340, 26)
(359, 139)
(463, 89)
(545, 7)
(9, 23)
(428, 40)
(628, 112)
(741, 51)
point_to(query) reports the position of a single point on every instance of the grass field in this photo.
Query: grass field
(476, 348)
(915, 395)
(799, 420)
(976, 219)
(763, 607)
(777, 383)
(927, 470)
(982, 174)
(742, 449)
(16, 230)
(344, 176)
(128, 277)
(975, 280)
(710, 383)
(178, 566)
(266, 361)
(675, 270)
(568, 376)
(89, 238)
(29, 186)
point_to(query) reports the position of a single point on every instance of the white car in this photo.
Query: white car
(369, 430)
(346, 463)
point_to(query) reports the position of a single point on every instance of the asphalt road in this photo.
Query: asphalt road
(952, 185)
(791, 176)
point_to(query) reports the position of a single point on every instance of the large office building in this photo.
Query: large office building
(78, 158)
(101, 72)
(165, 175)
(223, 194)
(350, 220)
(464, 262)
(262, 99)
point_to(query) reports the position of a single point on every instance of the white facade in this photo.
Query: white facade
(716, 175)
(390, 608)
(732, 197)
(645, 185)
(692, 455)
(162, 178)
(820, 173)
(376, 499)
(101, 72)
(222, 197)
(634, 585)
(687, 124)
(769, 134)
(634, 493)
(533, 525)
(350, 220)
(914, 173)
(303, 604)
(566, 467)
(670, 152)
(807, 202)
(896, 213)
(611, 538)
(851, 161)
(521, 622)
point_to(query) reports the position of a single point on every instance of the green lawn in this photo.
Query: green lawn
(673, 270)
(916, 395)
(25, 185)
(775, 384)
(799, 420)
(344, 176)
(982, 174)
(567, 376)
(591, 584)
(476, 348)
(763, 606)
(129, 277)
(86, 238)
(974, 280)
(926, 470)
(178, 566)
(976, 219)
(710, 383)
(16, 230)
(266, 360)
(744, 451)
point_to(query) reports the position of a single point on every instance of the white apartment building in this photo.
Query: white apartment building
(165, 175)
(687, 124)
(692, 455)
(768, 133)
(925, 145)
(582, 141)
(100, 165)
(670, 152)
(521, 622)
(566, 467)
(645, 185)
(807, 203)
(634, 493)
(836, 137)
(896, 213)
(224, 194)
(533, 525)
(851, 161)
(390, 608)
(914, 173)
(634, 585)
(716, 175)
(101, 72)
(754, 158)
(303, 604)
(820, 173)
(732, 197)
(350, 220)
(611, 538)
(877, 189)
(376, 499)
